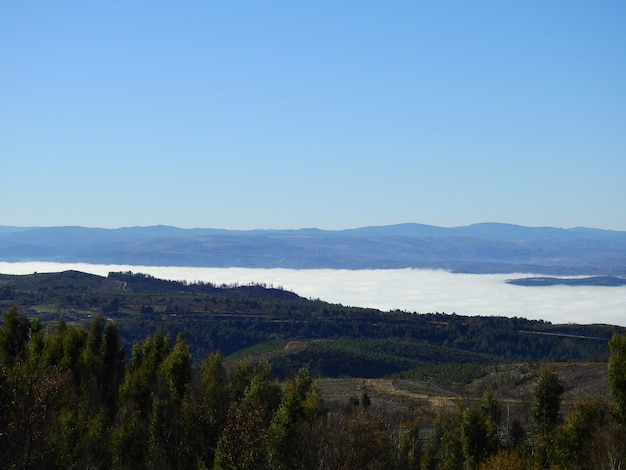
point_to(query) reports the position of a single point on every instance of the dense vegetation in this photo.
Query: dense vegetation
(340, 341)
(69, 398)
(129, 371)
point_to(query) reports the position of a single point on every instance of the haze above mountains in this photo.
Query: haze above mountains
(479, 248)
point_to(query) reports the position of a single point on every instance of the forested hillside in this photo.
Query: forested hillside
(341, 341)
(130, 371)
(71, 397)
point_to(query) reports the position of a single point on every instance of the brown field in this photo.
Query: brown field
(512, 385)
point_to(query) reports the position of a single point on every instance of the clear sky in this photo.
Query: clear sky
(329, 114)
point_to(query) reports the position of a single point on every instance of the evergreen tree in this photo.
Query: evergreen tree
(167, 428)
(546, 414)
(444, 450)
(575, 440)
(138, 423)
(617, 375)
(299, 406)
(14, 336)
(474, 437)
(243, 444)
(206, 408)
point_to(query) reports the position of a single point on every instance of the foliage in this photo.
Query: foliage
(71, 397)
(575, 441)
(233, 318)
(617, 375)
(547, 402)
(546, 415)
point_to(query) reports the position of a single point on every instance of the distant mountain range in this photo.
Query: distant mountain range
(480, 248)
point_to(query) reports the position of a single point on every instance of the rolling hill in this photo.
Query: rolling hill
(335, 340)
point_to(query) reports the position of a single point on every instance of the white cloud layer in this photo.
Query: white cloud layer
(413, 290)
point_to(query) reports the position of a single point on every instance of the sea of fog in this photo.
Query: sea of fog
(412, 290)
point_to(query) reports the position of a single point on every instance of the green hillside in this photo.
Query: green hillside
(125, 371)
(341, 341)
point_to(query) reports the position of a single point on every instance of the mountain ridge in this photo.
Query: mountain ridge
(478, 248)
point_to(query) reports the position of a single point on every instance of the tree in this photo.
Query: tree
(546, 413)
(244, 439)
(546, 409)
(53, 344)
(137, 419)
(29, 401)
(177, 369)
(364, 443)
(409, 446)
(575, 441)
(206, 407)
(474, 437)
(112, 373)
(617, 375)
(169, 446)
(299, 407)
(479, 431)
(14, 336)
(445, 451)
(617, 379)
(73, 359)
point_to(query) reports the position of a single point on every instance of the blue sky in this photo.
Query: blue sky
(313, 114)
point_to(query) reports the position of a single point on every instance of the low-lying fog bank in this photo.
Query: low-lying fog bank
(413, 290)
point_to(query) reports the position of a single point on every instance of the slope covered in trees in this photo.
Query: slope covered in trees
(340, 341)
(71, 398)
